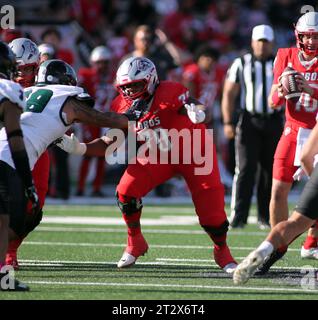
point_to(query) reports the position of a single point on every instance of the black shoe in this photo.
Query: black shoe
(17, 285)
(275, 256)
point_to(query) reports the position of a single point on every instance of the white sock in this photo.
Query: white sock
(265, 249)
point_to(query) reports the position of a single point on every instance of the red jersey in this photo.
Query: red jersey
(303, 113)
(207, 86)
(164, 114)
(164, 110)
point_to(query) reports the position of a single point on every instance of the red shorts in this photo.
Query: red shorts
(283, 167)
(207, 190)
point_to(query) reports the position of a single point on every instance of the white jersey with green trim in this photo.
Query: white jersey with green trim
(42, 122)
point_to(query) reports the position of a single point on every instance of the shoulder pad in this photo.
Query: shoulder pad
(85, 97)
(13, 92)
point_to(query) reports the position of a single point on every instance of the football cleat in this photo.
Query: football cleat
(230, 268)
(136, 247)
(126, 261)
(247, 267)
(223, 258)
(311, 253)
(275, 256)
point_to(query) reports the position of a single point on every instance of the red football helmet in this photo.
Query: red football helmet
(307, 24)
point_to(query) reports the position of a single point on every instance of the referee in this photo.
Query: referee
(258, 129)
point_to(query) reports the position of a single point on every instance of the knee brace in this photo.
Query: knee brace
(217, 231)
(130, 206)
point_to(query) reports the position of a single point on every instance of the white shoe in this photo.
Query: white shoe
(229, 268)
(247, 267)
(126, 261)
(311, 253)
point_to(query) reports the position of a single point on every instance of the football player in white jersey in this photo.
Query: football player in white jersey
(53, 105)
(15, 179)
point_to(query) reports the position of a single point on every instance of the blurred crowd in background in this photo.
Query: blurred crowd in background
(191, 41)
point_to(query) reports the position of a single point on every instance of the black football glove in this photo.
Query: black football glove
(137, 109)
(33, 197)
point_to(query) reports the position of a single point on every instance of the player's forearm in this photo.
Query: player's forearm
(275, 101)
(107, 119)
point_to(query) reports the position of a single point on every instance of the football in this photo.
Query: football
(290, 86)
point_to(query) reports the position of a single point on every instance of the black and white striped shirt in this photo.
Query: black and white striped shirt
(255, 78)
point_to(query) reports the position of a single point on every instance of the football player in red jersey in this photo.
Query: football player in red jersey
(98, 80)
(28, 58)
(300, 118)
(164, 105)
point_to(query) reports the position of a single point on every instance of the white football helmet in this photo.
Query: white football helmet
(27, 55)
(137, 71)
(307, 24)
(100, 53)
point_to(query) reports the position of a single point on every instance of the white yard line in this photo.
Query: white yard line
(90, 244)
(164, 220)
(158, 262)
(163, 231)
(182, 286)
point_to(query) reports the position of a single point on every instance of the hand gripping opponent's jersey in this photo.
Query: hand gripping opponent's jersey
(42, 121)
(13, 92)
(303, 113)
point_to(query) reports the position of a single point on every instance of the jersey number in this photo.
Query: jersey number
(38, 100)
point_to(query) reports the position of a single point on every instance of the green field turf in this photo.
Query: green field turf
(66, 260)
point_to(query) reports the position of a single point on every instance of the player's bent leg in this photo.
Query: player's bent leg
(135, 183)
(221, 252)
(136, 243)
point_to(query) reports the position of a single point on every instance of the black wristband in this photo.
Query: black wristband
(22, 166)
(15, 133)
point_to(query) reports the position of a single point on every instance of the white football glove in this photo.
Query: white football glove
(71, 144)
(195, 114)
